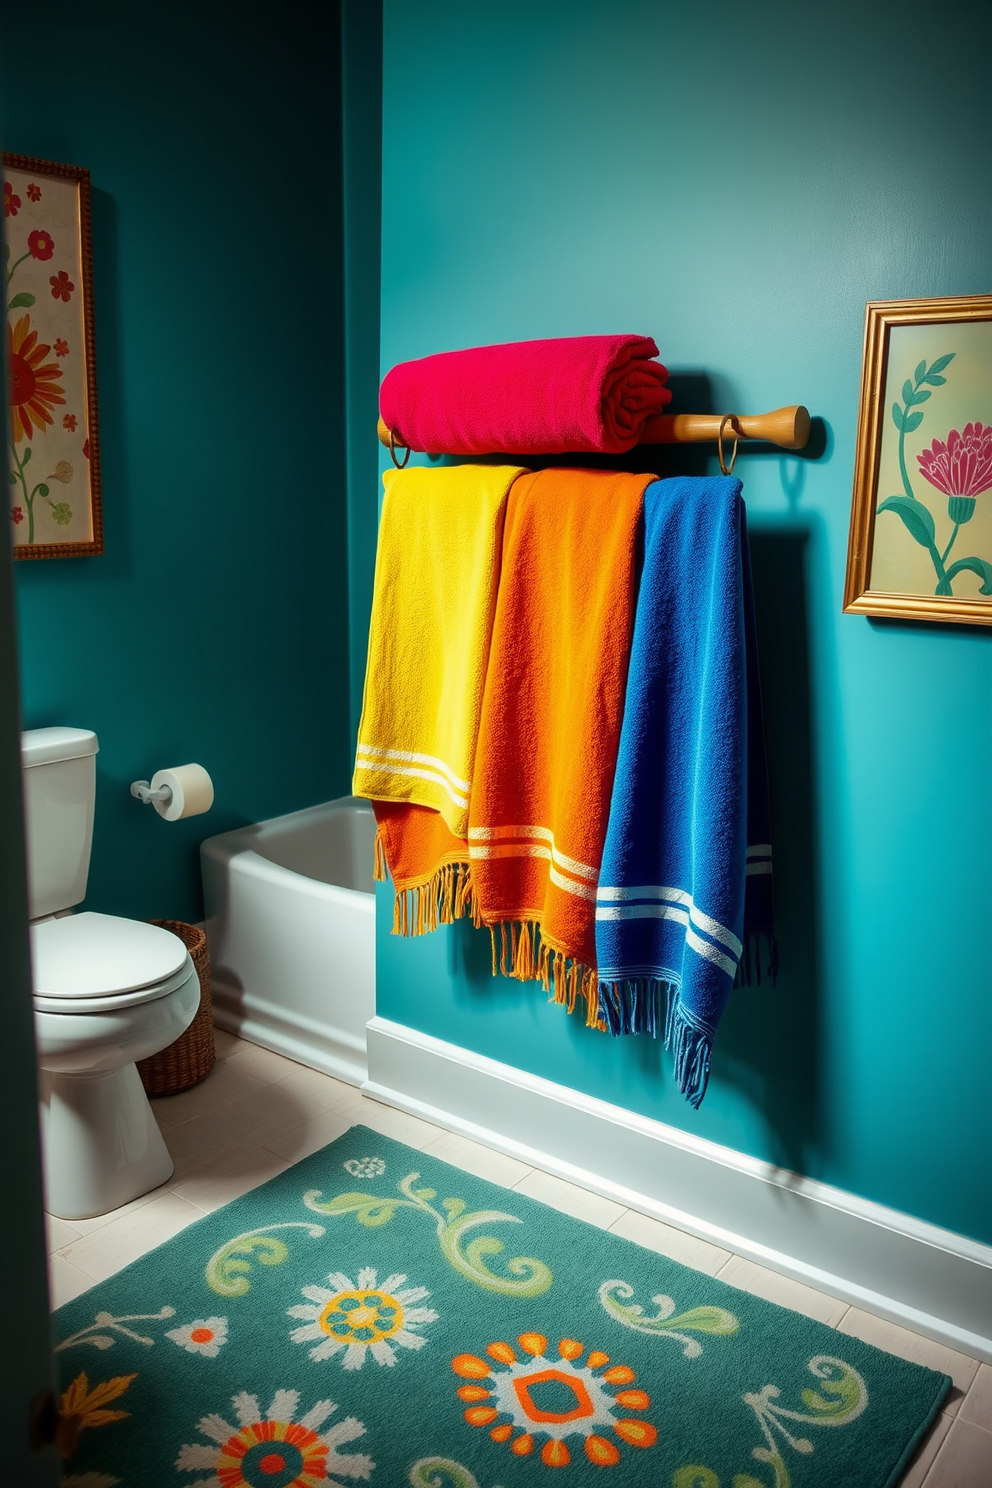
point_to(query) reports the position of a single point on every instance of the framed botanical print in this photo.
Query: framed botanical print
(921, 518)
(52, 436)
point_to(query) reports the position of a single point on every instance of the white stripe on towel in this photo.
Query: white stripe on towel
(431, 775)
(646, 891)
(711, 953)
(372, 753)
(644, 912)
(510, 850)
(658, 911)
(571, 886)
(543, 834)
(534, 850)
(703, 921)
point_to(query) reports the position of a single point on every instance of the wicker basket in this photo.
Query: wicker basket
(191, 1058)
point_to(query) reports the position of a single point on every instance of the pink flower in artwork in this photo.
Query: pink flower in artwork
(34, 192)
(16, 515)
(41, 244)
(62, 286)
(11, 203)
(61, 347)
(963, 465)
(69, 421)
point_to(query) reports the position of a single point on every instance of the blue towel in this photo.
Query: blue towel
(686, 875)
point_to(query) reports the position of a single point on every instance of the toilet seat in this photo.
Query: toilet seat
(94, 963)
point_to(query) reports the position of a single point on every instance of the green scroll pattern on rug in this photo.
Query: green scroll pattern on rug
(227, 1269)
(527, 1276)
(100, 1332)
(715, 1320)
(840, 1400)
(441, 1472)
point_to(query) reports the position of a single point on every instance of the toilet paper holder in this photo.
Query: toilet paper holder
(183, 790)
(142, 791)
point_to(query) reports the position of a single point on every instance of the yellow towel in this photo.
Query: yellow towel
(436, 576)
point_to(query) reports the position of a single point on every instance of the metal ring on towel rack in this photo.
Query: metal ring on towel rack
(730, 418)
(392, 451)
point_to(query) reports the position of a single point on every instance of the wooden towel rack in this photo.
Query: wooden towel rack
(787, 427)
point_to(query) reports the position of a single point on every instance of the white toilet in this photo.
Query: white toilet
(107, 992)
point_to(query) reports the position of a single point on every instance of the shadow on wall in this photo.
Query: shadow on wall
(769, 1046)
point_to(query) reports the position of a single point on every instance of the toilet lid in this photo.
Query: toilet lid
(116, 1002)
(85, 956)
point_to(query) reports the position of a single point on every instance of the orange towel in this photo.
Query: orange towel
(550, 724)
(429, 867)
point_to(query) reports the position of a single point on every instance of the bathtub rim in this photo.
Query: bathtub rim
(237, 849)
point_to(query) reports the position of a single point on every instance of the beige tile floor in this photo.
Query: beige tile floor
(258, 1113)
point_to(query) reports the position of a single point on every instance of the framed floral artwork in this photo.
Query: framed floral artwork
(52, 437)
(921, 518)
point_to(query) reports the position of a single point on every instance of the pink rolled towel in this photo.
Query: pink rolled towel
(527, 397)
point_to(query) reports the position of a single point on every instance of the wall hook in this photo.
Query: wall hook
(731, 419)
(392, 451)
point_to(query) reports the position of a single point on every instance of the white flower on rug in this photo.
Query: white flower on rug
(205, 1336)
(272, 1448)
(363, 1318)
(365, 1167)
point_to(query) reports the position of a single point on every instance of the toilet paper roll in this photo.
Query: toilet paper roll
(192, 791)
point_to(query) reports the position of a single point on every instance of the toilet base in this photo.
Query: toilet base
(101, 1143)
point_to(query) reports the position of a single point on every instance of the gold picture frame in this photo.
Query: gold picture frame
(925, 431)
(53, 439)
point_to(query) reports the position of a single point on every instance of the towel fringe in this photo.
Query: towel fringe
(448, 895)
(379, 871)
(646, 1004)
(466, 899)
(524, 965)
(749, 966)
(639, 1004)
(519, 951)
(692, 1049)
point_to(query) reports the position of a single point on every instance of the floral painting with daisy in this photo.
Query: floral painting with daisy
(53, 503)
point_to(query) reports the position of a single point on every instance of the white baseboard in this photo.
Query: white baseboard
(926, 1278)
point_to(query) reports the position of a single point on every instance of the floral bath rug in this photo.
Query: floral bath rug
(374, 1315)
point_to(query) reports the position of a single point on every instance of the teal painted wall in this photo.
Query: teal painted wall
(214, 628)
(361, 70)
(739, 189)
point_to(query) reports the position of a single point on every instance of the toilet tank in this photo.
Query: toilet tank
(59, 773)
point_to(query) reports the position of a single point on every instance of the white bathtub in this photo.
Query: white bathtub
(290, 918)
